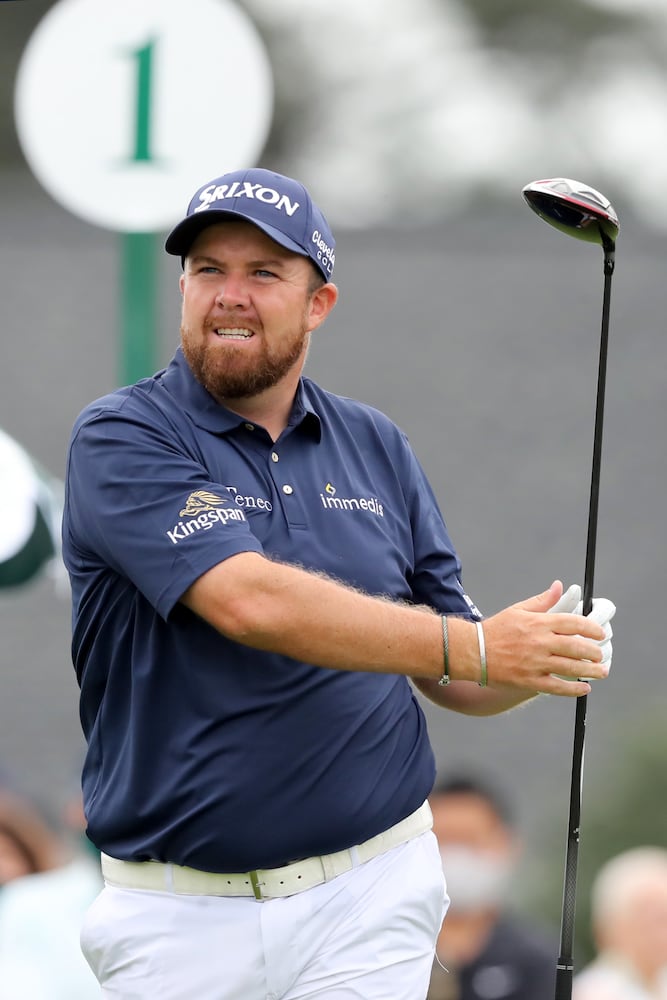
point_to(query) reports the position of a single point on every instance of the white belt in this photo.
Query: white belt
(270, 883)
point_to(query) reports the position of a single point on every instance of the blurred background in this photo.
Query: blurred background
(415, 124)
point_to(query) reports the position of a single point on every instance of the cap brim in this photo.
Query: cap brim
(183, 235)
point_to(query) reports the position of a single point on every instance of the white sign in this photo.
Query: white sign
(124, 108)
(31, 511)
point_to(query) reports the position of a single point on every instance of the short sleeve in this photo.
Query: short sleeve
(137, 502)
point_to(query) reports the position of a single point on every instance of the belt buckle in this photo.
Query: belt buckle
(256, 884)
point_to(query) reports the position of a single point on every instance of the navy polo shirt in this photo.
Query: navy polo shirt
(202, 751)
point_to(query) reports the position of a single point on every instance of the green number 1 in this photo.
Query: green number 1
(142, 121)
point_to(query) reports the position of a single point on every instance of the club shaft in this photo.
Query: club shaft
(589, 569)
(565, 966)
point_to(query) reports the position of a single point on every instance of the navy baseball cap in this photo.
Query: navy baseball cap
(280, 206)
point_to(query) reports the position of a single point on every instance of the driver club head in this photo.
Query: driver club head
(575, 208)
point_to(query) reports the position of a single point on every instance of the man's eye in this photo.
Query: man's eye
(209, 270)
(263, 273)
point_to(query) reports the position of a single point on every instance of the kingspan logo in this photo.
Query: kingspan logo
(205, 509)
(269, 196)
(331, 501)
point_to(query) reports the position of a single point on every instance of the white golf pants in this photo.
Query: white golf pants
(368, 934)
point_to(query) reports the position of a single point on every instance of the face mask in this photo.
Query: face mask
(475, 879)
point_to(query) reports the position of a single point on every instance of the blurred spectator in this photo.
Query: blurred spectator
(26, 843)
(45, 888)
(629, 921)
(486, 952)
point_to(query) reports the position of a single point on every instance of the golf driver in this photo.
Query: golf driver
(582, 212)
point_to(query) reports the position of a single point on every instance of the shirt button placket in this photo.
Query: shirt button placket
(292, 510)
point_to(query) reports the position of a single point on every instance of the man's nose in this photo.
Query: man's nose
(232, 292)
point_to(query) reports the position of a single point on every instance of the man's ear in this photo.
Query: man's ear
(181, 283)
(322, 301)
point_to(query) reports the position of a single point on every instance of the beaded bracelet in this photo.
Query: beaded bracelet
(445, 679)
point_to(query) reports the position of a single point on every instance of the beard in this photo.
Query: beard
(228, 374)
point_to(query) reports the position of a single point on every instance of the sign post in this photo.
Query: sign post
(138, 296)
(123, 109)
(138, 277)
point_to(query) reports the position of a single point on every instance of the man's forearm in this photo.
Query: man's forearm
(470, 699)
(310, 617)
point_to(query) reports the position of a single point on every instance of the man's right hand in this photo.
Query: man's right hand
(543, 644)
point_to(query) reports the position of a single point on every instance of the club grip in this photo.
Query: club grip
(563, 981)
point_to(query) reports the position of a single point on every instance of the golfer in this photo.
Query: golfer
(258, 568)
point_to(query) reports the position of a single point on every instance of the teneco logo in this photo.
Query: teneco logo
(250, 502)
(205, 509)
(246, 190)
(333, 502)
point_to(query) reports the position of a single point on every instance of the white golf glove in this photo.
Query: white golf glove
(603, 612)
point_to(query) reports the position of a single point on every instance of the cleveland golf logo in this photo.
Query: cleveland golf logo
(331, 501)
(205, 509)
(269, 196)
(325, 253)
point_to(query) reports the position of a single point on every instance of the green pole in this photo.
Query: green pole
(139, 250)
(138, 275)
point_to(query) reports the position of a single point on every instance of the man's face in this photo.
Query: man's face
(638, 929)
(478, 851)
(248, 310)
(461, 819)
